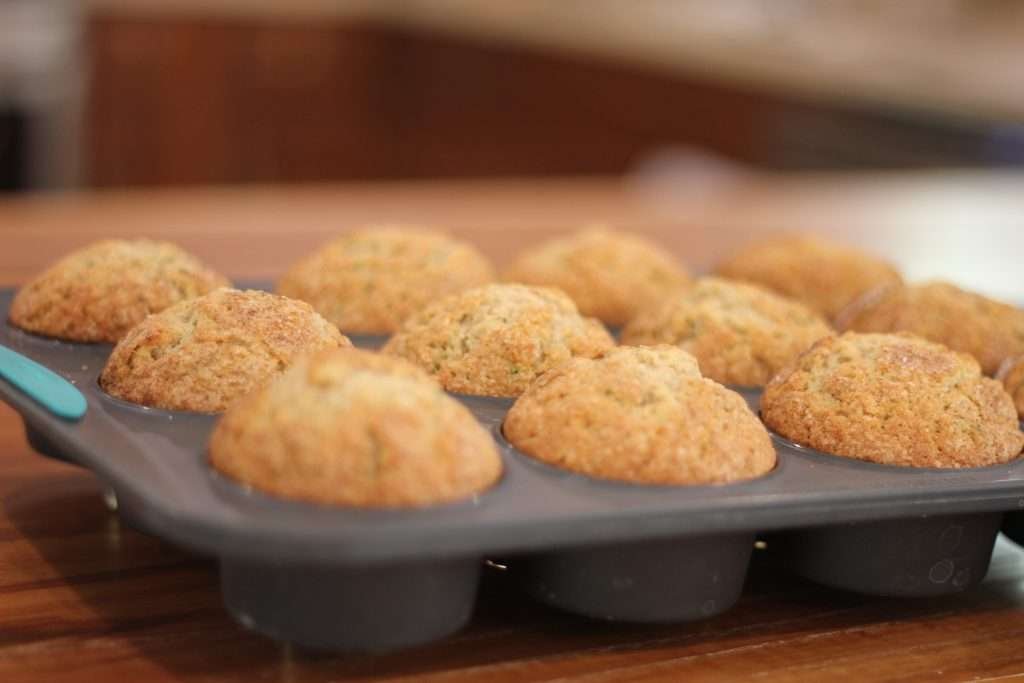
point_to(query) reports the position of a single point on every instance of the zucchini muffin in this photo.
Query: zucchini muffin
(740, 334)
(99, 292)
(495, 340)
(1011, 374)
(351, 427)
(964, 321)
(822, 275)
(894, 399)
(611, 275)
(370, 280)
(202, 354)
(642, 415)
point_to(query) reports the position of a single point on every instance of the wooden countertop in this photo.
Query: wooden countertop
(85, 598)
(955, 59)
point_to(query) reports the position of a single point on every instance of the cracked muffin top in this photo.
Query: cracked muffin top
(202, 354)
(741, 334)
(496, 339)
(820, 274)
(894, 399)
(964, 321)
(611, 275)
(642, 415)
(350, 427)
(99, 292)
(370, 280)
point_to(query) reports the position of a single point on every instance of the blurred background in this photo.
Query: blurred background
(131, 93)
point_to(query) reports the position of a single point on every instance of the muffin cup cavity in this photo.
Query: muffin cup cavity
(351, 609)
(370, 342)
(489, 410)
(752, 395)
(786, 445)
(912, 557)
(679, 579)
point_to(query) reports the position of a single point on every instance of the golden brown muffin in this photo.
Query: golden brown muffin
(370, 280)
(820, 274)
(741, 334)
(642, 415)
(204, 353)
(988, 330)
(611, 275)
(350, 427)
(894, 399)
(496, 339)
(98, 293)
(1011, 374)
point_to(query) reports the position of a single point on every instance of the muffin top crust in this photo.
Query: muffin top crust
(641, 415)
(368, 281)
(741, 334)
(611, 275)
(99, 292)
(496, 339)
(894, 399)
(355, 428)
(939, 311)
(820, 274)
(202, 354)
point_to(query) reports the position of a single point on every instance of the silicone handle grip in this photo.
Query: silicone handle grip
(46, 387)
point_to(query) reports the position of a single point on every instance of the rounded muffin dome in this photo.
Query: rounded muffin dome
(370, 280)
(202, 354)
(610, 275)
(895, 400)
(495, 340)
(964, 321)
(351, 427)
(820, 274)
(99, 292)
(740, 334)
(643, 415)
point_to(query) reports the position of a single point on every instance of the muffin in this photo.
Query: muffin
(351, 427)
(1011, 374)
(894, 399)
(740, 334)
(99, 292)
(202, 354)
(370, 280)
(820, 274)
(496, 339)
(988, 330)
(642, 415)
(610, 275)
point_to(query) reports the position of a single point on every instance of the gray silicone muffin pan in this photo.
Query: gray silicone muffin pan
(351, 579)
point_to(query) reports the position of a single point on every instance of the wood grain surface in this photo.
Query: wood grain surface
(84, 598)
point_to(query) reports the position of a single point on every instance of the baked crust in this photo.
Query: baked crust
(894, 399)
(351, 427)
(741, 334)
(496, 339)
(202, 354)
(370, 280)
(99, 292)
(643, 415)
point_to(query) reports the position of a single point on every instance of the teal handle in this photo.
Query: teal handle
(46, 387)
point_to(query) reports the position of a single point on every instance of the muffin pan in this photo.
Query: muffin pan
(358, 579)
